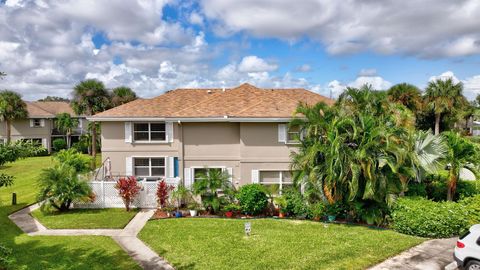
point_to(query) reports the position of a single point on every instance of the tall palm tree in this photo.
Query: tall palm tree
(12, 107)
(90, 97)
(65, 123)
(122, 95)
(406, 94)
(442, 96)
(461, 154)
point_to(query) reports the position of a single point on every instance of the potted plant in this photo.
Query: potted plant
(231, 209)
(332, 210)
(281, 203)
(181, 196)
(193, 208)
(169, 210)
(317, 210)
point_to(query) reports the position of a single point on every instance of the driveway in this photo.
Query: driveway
(431, 255)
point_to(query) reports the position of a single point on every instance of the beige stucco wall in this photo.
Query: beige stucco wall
(240, 146)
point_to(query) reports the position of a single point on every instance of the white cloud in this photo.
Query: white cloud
(196, 18)
(304, 68)
(444, 76)
(429, 28)
(367, 72)
(376, 82)
(472, 87)
(253, 63)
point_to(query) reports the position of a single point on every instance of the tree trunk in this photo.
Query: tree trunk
(94, 144)
(8, 130)
(452, 187)
(437, 123)
(69, 140)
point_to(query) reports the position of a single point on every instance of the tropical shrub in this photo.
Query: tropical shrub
(426, 218)
(473, 206)
(6, 180)
(163, 193)
(75, 159)
(318, 210)
(281, 203)
(128, 189)
(182, 196)
(208, 186)
(295, 203)
(232, 207)
(60, 187)
(435, 187)
(252, 198)
(59, 144)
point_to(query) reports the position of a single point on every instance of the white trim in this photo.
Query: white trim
(197, 119)
(150, 166)
(149, 141)
(128, 132)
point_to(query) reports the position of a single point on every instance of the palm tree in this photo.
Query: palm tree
(467, 111)
(65, 123)
(406, 94)
(12, 107)
(90, 97)
(442, 96)
(2, 74)
(122, 95)
(461, 154)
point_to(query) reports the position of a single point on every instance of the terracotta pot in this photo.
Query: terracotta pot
(229, 214)
(281, 215)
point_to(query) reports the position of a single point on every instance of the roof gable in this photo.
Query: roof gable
(244, 101)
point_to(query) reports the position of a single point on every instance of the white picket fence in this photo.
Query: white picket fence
(106, 195)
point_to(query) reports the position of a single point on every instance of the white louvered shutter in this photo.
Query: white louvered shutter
(42, 122)
(169, 130)
(188, 177)
(44, 143)
(129, 166)
(282, 133)
(171, 167)
(128, 132)
(255, 176)
(230, 174)
(31, 122)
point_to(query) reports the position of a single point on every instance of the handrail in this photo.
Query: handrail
(102, 169)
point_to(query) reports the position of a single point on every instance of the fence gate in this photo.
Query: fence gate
(106, 195)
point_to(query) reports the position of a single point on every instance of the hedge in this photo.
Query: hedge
(426, 218)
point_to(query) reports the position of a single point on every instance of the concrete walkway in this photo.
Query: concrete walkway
(126, 237)
(431, 255)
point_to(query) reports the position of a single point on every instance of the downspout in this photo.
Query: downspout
(182, 173)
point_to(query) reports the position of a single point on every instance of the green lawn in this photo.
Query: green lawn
(51, 252)
(86, 218)
(274, 244)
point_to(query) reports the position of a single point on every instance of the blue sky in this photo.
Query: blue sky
(46, 47)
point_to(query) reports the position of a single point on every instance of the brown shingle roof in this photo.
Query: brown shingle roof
(244, 101)
(48, 109)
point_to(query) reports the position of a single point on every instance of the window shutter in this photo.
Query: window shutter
(171, 167)
(80, 123)
(44, 143)
(230, 174)
(129, 166)
(175, 167)
(42, 122)
(282, 133)
(255, 176)
(31, 122)
(128, 132)
(169, 130)
(188, 177)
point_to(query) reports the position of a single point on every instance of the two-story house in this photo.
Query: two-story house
(242, 130)
(40, 124)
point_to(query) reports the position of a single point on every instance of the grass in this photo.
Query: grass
(50, 252)
(274, 244)
(110, 218)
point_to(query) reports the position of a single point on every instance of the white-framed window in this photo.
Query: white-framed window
(201, 172)
(293, 135)
(36, 122)
(149, 167)
(275, 181)
(149, 132)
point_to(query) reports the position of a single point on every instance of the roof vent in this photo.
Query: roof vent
(209, 91)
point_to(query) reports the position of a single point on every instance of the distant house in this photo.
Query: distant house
(242, 130)
(40, 124)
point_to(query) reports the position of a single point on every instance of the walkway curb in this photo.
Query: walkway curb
(126, 237)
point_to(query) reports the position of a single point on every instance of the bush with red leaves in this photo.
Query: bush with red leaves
(128, 189)
(163, 190)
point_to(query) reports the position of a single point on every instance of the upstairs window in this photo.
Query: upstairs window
(149, 132)
(293, 135)
(36, 122)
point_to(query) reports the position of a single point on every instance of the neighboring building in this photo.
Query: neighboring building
(40, 124)
(241, 130)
